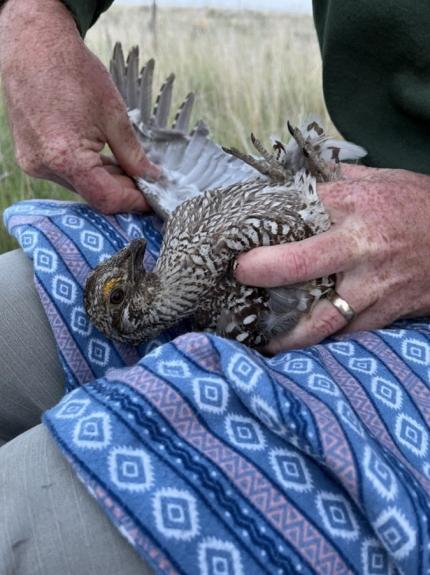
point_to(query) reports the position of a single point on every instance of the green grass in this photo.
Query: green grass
(251, 72)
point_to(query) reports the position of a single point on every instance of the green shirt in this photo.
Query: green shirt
(376, 73)
(86, 12)
(376, 76)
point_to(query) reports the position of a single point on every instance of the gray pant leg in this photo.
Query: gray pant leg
(31, 379)
(49, 524)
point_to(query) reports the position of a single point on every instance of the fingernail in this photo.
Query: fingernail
(235, 269)
(152, 173)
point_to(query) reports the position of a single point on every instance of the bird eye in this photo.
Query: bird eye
(117, 296)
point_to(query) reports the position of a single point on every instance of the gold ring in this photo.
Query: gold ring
(342, 306)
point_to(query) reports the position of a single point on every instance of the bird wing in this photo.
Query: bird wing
(191, 161)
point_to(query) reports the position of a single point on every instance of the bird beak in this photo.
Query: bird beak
(136, 270)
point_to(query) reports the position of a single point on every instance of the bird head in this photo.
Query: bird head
(118, 295)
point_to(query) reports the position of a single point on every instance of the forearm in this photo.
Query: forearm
(63, 108)
(34, 21)
(85, 12)
(31, 28)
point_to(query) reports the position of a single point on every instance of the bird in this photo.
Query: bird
(216, 203)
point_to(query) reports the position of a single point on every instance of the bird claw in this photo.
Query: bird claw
(318, 167)
(290, 128)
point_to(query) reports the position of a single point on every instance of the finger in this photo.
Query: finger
(328, 253)
(325, 319)
(127, 149)
(106, 194)
(372, 318)
(118, 173)
(115, 170)
(60, 181)
(360, 172)
(354, 171)
(124, 181)
(108, 160)
(111, 165)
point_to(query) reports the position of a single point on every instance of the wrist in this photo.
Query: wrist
(33, 26)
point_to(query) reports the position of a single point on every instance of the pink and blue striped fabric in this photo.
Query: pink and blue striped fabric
(214, 460)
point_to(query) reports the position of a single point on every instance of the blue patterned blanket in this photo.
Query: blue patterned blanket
(214, 460)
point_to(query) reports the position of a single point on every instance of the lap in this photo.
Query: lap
(31, 378)
(50, 524)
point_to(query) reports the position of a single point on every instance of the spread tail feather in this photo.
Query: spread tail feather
(191, 162)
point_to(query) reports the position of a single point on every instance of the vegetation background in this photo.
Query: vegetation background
(251, 71)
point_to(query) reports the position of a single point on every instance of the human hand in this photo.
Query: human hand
(378, 247)
(63, 108)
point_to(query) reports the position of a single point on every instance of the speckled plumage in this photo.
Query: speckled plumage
(273, 201)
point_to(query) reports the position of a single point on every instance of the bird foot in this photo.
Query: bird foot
(322, 170)
(268, 165)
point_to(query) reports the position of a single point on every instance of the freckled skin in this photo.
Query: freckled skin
(63, 108)
(379, 248)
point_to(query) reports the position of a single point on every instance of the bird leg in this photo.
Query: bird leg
(267, 166)
(321, 169)
(277, 169)
(268, 156)
(259, 165)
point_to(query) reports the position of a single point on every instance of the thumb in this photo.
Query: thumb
(126, 147)
(322, 255)
(106, 193)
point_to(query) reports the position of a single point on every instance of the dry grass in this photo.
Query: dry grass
(251, 72)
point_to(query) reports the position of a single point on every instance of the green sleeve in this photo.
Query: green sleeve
(86, 12)
(376, 77)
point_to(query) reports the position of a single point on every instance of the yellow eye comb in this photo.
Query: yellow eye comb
(109, 285)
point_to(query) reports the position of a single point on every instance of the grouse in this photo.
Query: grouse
(216, 203)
